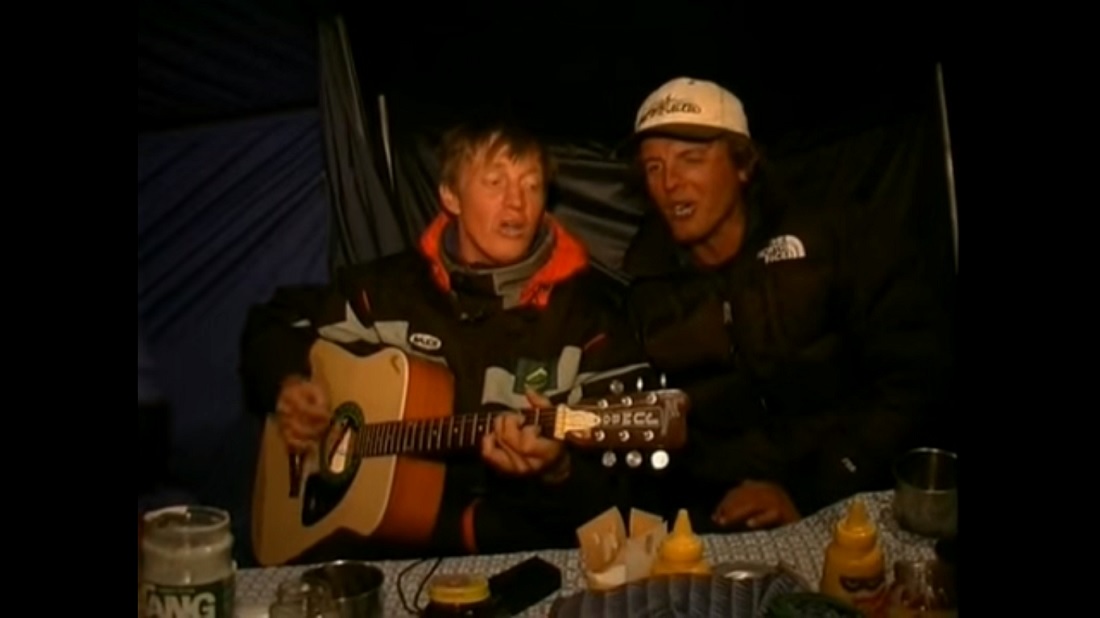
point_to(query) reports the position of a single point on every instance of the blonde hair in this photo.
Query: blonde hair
(463, 143)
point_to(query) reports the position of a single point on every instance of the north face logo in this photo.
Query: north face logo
(782, 248)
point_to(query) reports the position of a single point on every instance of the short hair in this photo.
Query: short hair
(462, 143)
(744, 151)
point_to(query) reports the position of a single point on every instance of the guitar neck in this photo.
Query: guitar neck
(440, 436)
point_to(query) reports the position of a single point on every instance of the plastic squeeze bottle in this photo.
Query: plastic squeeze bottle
(855, 569)
(681, 551)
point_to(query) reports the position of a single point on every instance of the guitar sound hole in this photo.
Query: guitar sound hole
(321, 497)
(328, 486)
(339, 446)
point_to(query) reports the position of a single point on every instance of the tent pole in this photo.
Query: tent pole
(385, 122)
(349, 69)
(949, 162)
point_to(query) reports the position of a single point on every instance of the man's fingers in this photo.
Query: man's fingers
(510, 434)
(314, 412)
(501, 456)
(299, 432)
(488, 445)
(295, 442)
(313, 395)
(767, 517)
(517, 464)
(529, 442)
(735, 509)
(535, 400)
(497, 458)
(492, 451)
(305, 395)
(316, 422)
(305, 427)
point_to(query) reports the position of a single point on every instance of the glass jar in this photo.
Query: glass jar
(300, 599)
(922, 589)
(187, 563)
(458, 596)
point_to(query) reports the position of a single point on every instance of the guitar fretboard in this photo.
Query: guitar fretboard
(439, 436)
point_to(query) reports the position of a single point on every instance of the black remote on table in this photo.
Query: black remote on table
(525, 584)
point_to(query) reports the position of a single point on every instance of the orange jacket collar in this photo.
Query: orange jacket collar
(568, 258)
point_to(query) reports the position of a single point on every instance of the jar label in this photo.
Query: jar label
(213, 600)
(867, 594)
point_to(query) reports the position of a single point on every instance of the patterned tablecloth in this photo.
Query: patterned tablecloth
(801, 546)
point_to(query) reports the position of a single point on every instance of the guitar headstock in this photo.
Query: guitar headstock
(645, 420)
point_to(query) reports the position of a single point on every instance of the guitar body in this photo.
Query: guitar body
(301, 503)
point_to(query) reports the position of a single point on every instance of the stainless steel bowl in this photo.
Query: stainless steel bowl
(356, 586)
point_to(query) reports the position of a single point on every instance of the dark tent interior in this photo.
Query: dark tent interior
(277, 139)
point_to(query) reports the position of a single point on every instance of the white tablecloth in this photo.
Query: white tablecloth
(801, 546)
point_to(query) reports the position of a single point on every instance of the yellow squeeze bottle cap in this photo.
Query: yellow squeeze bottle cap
(682, 545)
(856, 530)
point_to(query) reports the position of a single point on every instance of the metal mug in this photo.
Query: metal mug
(926, 498)
(356, 587)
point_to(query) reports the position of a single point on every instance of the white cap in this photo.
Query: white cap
(692, 108)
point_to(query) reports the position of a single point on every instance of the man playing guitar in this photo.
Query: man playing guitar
(500, 293)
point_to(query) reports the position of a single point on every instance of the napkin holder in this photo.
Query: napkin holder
(614, 553)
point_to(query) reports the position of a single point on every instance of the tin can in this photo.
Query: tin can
(187, 566)
(744, 570)
(807, 604)
(758, 570)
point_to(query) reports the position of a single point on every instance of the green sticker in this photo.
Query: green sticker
(538, 376)
(213, 600)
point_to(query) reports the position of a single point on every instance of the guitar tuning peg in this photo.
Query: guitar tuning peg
(664, 381)
(659, 459)
(616, 387)
(633, 459)
(609, 459)
(640, 384)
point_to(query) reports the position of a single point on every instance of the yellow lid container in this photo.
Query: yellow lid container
(458, 589)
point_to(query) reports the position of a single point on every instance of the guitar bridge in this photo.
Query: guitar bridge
(295, 464)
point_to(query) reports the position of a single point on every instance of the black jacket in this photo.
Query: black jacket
(564, 337)
(814, 358)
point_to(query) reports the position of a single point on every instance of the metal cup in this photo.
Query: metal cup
(356, 587)
(926, 500)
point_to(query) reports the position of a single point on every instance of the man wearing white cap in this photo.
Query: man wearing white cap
(812, 344)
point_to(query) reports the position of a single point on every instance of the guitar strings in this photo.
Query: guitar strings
(369, 438)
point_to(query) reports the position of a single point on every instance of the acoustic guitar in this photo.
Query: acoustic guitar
(371, 476)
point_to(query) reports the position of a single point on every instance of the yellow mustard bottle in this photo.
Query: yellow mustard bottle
(855, 568)
(681, 551)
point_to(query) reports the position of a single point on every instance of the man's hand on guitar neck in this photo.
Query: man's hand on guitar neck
(302, 411)
(518, 450)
